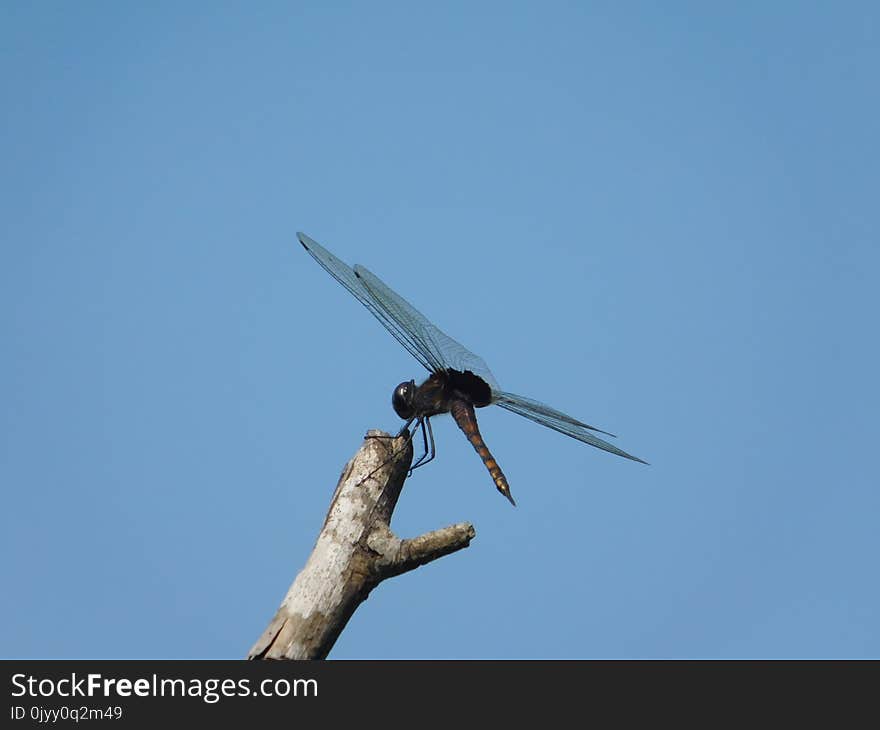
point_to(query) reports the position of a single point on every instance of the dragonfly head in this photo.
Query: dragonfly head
(402, 400)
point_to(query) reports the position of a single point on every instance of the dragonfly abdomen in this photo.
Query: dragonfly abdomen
(463, 413)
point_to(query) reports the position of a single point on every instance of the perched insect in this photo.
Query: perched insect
(459, 382)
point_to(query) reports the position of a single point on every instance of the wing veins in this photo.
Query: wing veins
(347, 276)
(558, 421)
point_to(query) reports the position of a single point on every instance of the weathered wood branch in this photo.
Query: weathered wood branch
(354, 552)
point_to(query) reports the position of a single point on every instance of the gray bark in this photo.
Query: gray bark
(354, 552)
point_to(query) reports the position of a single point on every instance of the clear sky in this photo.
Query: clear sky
(662, 219)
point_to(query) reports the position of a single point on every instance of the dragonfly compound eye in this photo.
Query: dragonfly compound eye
(402, 400)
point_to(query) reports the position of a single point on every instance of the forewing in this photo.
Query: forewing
(558, 421)
(346, 276)
(438, 347)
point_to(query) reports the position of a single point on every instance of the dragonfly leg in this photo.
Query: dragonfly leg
(424, 455)
(430, 450)
(405, 429)
(409, 438)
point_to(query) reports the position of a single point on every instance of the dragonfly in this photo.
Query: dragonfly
(459, 381)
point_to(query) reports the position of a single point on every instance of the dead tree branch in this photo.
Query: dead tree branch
(354, 552)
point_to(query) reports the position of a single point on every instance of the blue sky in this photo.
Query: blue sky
(661, 220)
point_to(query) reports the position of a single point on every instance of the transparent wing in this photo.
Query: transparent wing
(558, 421)
(433, 348)
(345, 275)
(435, 344)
